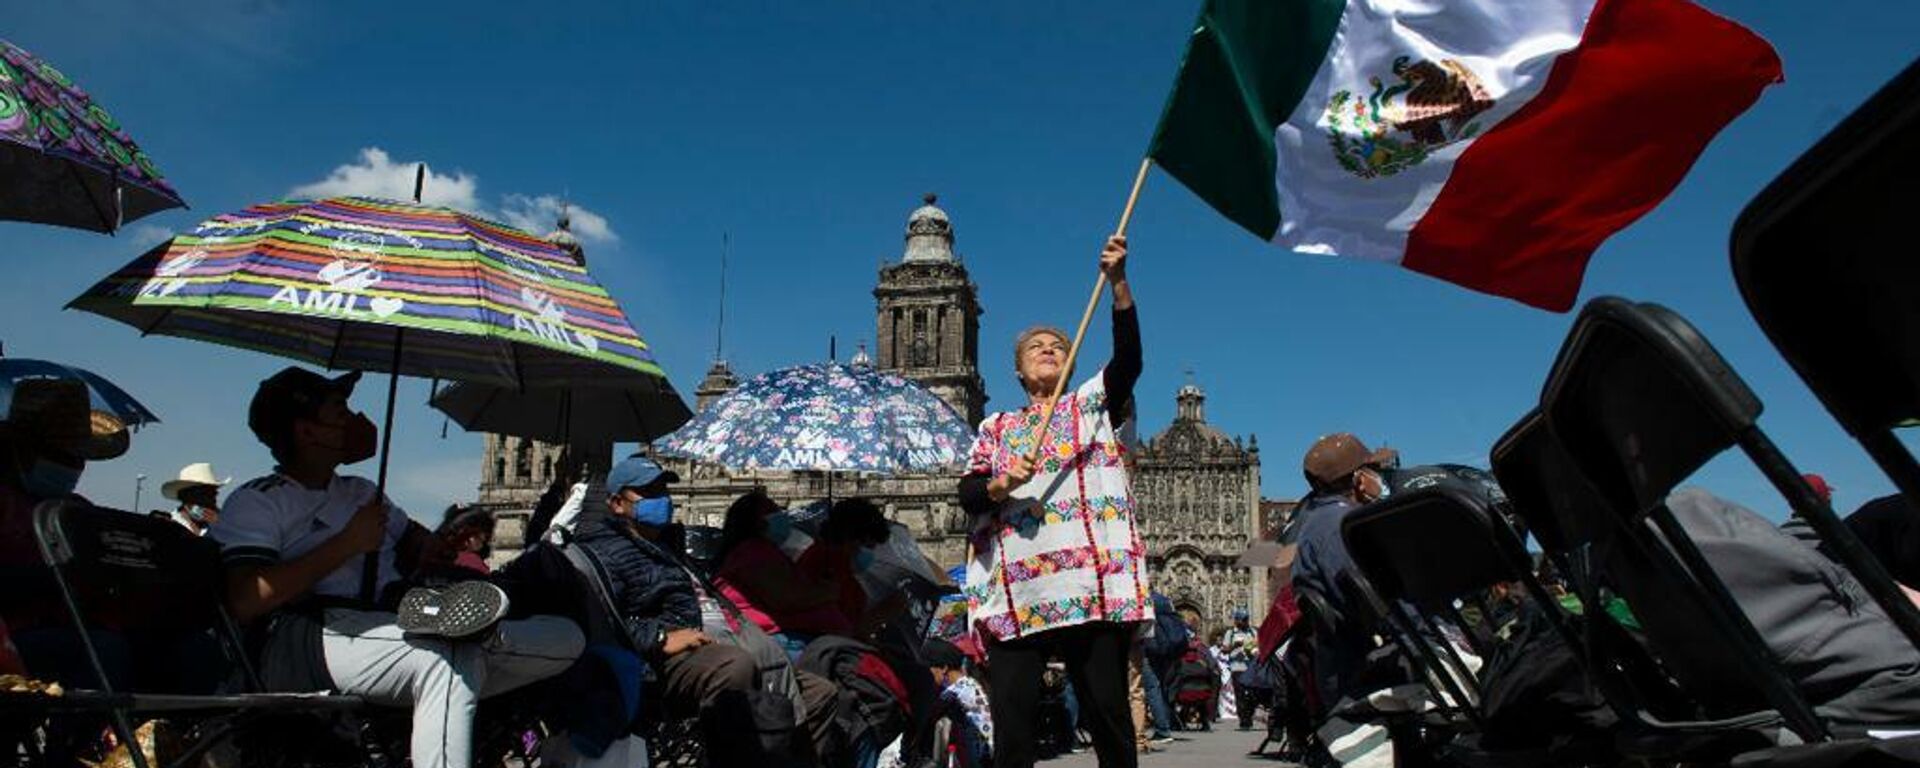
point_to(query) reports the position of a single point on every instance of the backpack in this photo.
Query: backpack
(1534, 690)
(872, 700)
(1170, 635)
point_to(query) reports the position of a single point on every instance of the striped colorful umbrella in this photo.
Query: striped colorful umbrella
(63, 159)
(337, 282)
(377, 285)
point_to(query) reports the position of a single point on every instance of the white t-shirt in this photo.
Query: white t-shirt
(187, 523)
(274, 518)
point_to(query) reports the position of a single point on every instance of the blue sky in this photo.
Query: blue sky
(808, 131)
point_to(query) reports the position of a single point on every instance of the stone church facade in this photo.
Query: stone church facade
(1198, 490)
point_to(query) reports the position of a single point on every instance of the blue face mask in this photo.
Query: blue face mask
(779, 527)
(862, 559)
(50, 480)
(657, 511)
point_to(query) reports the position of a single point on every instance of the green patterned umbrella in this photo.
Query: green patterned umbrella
(63, 159)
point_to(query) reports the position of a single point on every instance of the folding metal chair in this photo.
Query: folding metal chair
(1428, 549)
(1640, 401)
(1440, 548)
(174, 580)
(1826, 261)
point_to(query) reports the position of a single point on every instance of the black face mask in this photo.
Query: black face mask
(359, 439)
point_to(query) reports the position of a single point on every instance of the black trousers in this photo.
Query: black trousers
(1244, 703)
(1096, 658)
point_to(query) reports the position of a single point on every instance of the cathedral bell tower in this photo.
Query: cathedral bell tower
(929, 315)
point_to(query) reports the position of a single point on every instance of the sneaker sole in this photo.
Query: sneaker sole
(462, 610)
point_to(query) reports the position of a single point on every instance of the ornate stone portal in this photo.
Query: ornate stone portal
(1198, 492)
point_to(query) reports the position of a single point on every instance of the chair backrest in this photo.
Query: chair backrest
(1546, 490)
(135, 570)
(1584, 541)
(1826, 262)
(1438, 548)
(1431, 547)
(1639, 401)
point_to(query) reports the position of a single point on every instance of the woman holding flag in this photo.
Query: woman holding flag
(1056, 565)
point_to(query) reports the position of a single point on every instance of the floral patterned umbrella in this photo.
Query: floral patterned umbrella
(826, 417)
(63, 159)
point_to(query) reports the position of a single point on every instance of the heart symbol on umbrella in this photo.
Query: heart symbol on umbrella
(385, 306)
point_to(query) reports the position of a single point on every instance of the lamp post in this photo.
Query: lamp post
(139, 482)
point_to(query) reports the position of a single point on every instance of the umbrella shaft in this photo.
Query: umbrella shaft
(370, 570)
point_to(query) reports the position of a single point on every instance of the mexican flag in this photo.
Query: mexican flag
(1490, 143)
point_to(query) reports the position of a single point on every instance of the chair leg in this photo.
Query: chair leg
(122, 727)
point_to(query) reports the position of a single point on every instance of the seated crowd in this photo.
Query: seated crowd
(778, 652)
(1329, 675)
(774, 660)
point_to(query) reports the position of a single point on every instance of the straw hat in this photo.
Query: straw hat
(191, 476)
(58, 414)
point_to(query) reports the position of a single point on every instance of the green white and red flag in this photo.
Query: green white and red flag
(1490, 143)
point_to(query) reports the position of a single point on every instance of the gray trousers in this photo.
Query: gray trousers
(442, 680)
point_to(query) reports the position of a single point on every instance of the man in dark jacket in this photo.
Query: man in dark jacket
(1344, 475)
(660, 604)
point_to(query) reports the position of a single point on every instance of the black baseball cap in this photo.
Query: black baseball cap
(293, 393)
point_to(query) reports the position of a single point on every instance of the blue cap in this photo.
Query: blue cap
(1239, 613)
(635, 472)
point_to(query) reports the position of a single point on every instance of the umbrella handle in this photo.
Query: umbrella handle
(370, 568)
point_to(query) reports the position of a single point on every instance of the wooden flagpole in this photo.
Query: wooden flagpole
(1093, 302)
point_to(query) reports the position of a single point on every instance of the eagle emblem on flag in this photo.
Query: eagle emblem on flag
(1396, 126)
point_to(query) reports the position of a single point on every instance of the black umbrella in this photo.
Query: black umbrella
(636, 411)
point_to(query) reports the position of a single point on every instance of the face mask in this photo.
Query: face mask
(657, 511)
(862, 559)
(50, 480)
(779, 527)
(362, 440)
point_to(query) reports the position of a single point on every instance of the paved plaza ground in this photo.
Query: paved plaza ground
(1223, 746)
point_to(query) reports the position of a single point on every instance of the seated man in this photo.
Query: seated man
(198, 494)
(294, 543)
(664, 606)
(1836, 644)
(1344, 475)
(48, 436)
(843, 550)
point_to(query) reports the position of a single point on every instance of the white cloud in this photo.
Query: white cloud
(147, 235)
(538, 213)
(376, 175)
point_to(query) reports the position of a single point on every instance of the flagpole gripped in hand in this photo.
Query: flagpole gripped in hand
(1093, 302)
